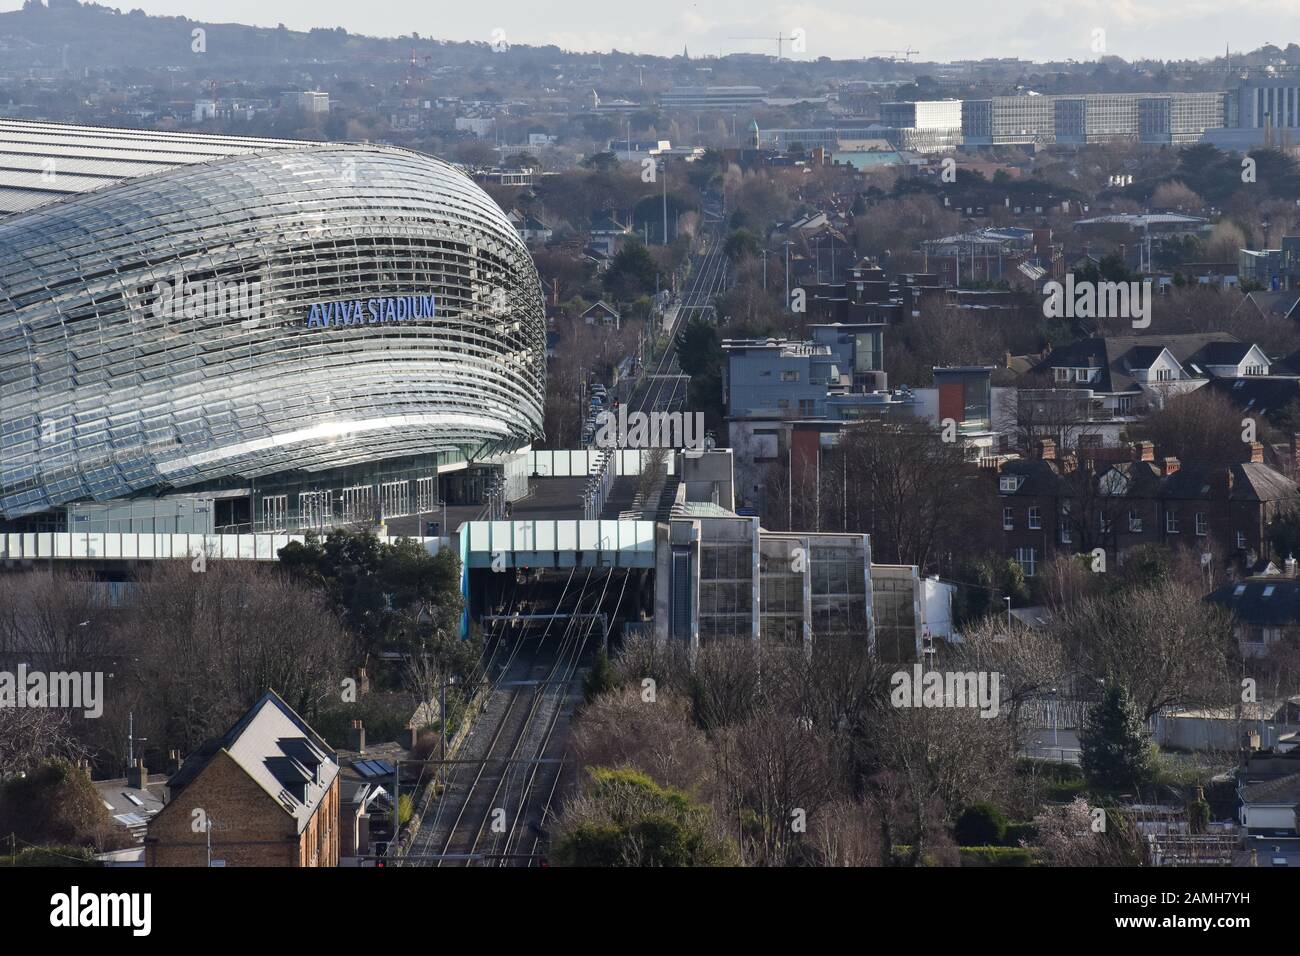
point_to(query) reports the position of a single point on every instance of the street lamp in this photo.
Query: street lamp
(787, 245)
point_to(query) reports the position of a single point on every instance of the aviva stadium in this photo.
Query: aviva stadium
(300, 334)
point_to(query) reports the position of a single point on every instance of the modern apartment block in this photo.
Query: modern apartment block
(924, 126)
(1156, 119)
(705, 98)
(721, 576)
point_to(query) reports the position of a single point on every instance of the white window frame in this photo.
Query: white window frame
(275, 513)
(1202, 524)
(1171, 522)
(1008, 519)
(1028, 561)
(1035, 518)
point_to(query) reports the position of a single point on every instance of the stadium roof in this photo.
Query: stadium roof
(43, 162)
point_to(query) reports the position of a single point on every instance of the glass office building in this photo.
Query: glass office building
(185, 312)
(1152, 118)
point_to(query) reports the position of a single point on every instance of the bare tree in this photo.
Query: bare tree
(910, 490)
(1159, 641)
(779, 767)
(209, 644)
(942, 758)
(656, 736)
(1029, 662)
(30, 735)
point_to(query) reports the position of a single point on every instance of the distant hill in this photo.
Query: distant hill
(89, 34)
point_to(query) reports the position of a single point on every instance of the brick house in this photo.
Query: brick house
(1074, 505)
(269, 789)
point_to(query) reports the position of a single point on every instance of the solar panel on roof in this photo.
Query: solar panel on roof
(373, 768)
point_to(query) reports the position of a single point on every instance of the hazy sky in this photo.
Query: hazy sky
(940, 29)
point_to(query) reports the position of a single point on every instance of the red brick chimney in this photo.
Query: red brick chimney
(1144, 451)
(1169, 466)
(1047, 449)
(1256, 455)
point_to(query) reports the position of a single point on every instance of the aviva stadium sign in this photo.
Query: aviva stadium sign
(393, 308)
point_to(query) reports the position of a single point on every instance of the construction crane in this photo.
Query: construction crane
(896, 55)
(780, 39)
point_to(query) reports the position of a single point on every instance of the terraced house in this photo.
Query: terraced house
(1072, 504)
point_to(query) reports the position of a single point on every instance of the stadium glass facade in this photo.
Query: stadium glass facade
(280, 315)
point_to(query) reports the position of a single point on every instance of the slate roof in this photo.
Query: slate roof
(278, 750)
(1119, 355)
(1221, 353)
(1271, 303)
(1258, 393)
(1247, 600)
(1251, 481)
(1284, 791)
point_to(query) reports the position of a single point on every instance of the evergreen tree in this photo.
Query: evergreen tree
(1114, 754)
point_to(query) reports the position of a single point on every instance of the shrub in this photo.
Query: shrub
(600, 678)
(1017, 832)
(55, 804)
(54, 855)
(980, 824)
(623, 818)
(997, 856)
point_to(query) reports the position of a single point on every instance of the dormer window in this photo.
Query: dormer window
(1009, 483)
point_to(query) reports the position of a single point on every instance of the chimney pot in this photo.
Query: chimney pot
(1144, 451)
